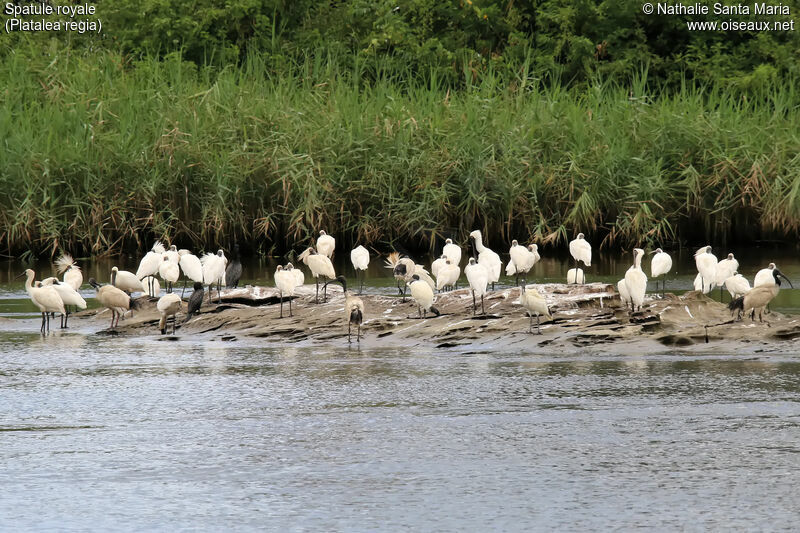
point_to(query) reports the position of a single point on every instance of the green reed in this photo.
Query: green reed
(104, 154)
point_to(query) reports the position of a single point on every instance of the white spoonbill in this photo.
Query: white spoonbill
(45, 298)
(725, 269)
(285, 282)
(320, 266)
(660, 265)
(580, 250)
(191, 268)
(68, 295)
(213, 271)
(173, 254)
(636, 281)
(452, 251)
(522, 260)
(423, 295)
(152, 286)
(169, 272)
(299, 277)
(72, 272)
(168, 305)
(737, 285)
(359, 256)
(325, 244)
(535, 304)
(478, 278)
(706, 263)
(624, 293)
(575, 275)
(149, 264)
(437, 264)
(487, 258)
(113, 299)
(757, 298)
(448, 275)
(126, 281)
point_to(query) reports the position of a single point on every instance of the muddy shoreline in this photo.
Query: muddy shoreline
(585, 318)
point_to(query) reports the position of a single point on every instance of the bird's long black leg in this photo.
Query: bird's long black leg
(316, 298)
(483, 309)
(281, 295)
(42, 328)
(538, 329)
(358, 333)
(474, 304)
(290, 307)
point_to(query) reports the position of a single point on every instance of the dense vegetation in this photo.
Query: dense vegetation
(395, 122)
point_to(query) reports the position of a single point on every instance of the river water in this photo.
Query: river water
(135, 433)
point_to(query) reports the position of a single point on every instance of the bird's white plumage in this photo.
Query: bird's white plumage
(737, 285)
(285, 281)
(725, 269)
(168, 305)
(420, 271)
(452, 251)
(191, 267)
(487, 257)
(173, 254)
(114, 299)
(698, 282)
(706, 263)
(213, 268)
(575, 275)
(72, 272)
(624, 293)
(764, 277)
(437, 265)
(127, 281)
(522, 258)
(325, 244)
(149, 264)
(636, 279)
(660, 264)
(422, 294)
(318, 264)
(359, 256)
(580, 250)
(533, 302)
(168, 270)
(151, 281)
(477, 276)
(448, 275)
(69, 296)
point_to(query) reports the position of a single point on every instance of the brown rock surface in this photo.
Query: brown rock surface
(586, 317)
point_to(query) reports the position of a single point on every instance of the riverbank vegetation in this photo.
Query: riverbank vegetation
(109, 147)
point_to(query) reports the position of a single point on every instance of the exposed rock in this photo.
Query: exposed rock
(584, 316)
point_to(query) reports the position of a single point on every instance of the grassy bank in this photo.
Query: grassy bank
(104, 155)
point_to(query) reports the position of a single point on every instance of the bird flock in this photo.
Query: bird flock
(482, 271)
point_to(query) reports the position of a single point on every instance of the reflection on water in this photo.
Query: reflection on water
(606, 267)
(99, 432)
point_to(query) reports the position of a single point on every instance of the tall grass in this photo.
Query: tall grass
(102, 155)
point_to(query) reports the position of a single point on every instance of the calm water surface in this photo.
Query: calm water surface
(102, 433)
